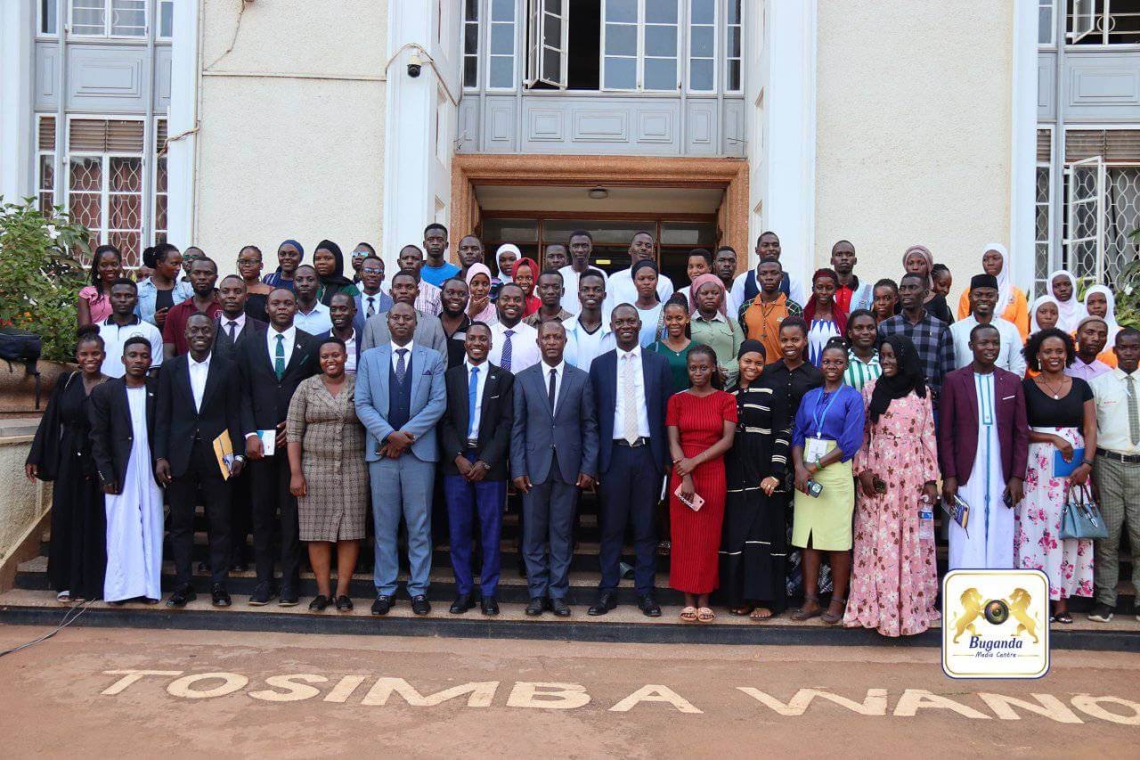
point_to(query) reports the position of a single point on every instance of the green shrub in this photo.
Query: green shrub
(41, 274)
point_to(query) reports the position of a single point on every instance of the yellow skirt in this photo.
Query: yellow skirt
(826, 520)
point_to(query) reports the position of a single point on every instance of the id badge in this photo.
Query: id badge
(814, 449)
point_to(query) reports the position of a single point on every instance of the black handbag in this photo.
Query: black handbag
(20, 347)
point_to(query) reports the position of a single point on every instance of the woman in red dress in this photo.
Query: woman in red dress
(701, 423)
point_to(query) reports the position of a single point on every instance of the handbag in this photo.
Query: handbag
(1082, 518)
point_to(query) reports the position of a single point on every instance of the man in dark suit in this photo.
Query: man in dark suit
(631, 388)
(372, 300)
(271, 370)
(475, 434)
(554, 452)
(199, 400)
(983, 446)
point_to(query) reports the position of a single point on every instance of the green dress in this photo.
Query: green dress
(678, 363)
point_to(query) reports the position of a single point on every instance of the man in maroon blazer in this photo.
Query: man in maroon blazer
(983, 445)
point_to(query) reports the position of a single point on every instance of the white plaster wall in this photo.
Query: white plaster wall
(914, 131)
(291, 140)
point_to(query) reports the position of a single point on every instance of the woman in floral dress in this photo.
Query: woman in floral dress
(894, 583)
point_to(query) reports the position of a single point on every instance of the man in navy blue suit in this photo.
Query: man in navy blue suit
(631, 388)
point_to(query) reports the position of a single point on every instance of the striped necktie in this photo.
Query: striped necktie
(505, 359)
(279, 358)
(1133, 412)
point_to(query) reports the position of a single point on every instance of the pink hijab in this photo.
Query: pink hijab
(701, 280)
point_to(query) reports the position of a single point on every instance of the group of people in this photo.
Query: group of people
(745, 431)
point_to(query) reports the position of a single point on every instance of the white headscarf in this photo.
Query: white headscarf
(1005, 281)
(505, 277)
(1110, 315)
(1070, 312)
(1041, 301)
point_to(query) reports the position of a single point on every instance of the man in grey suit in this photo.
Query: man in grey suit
(429, 332)
(400, 396)
(554, 452)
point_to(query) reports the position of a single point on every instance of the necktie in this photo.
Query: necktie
(279, 360)
(552, 391)
(629, 413)
(401, 365)
(472, 399)
(232, 327)
(1133, 412)
(505, 359)
(371, 306)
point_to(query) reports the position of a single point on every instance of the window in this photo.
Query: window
(160, 183)
(49, 24)
(640, 45)
(1103, 22)
(1046, 23)
(105, 181)
(734, 31)
(502, 46)
(471, 44)
(1043, 211)
(108, 18)
(165, 19)
(702, 45)
(45, 163)
(548, 38)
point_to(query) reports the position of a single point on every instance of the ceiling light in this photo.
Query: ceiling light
(599, 193)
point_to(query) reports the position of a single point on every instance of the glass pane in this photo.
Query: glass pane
(692, 234)
(1044, 25)
(160, 213)
(615, 233)
(126, 212)
(470, 71)
(661, 11)
(47, 172)
(128, 17)
(471, 9)
(497, 231)
(47, 13)
(552, 30)
(502, 72)
(128, 243)
(661, 73)
(620, 74)
(702, 11)
(701, 75)
(160, 176)
(733, 84)
(621, 10)
(84, 208)
(734, 11)
(86, 173)
(471, 38)
(621, 39)
(45, 206)
(166, 20)
(502, 39)
(126, 175)
(502, 10)
(702, 41)
(733, 41)
(87, 17)
(553, 6)
(551, 65)
(661, 41)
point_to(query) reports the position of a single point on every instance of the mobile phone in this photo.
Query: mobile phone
(880, 486)
(1007, 497)
(814, 489)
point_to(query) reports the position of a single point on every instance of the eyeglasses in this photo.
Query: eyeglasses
(371, 270)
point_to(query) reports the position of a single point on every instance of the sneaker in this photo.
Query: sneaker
(1101, 613)
(261, 595)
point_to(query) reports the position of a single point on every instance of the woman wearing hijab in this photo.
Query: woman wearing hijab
(826, 319)
(1070, 311)
(1100, 302)
(709, 323)
(919, 260)
(525, 274)
(754, 538)
(1012, 305)
(1044, 314)
(289, 256)
(894, 582)
(479, 306)
(329, 263)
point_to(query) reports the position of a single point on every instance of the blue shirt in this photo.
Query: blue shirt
(148, 296)
(837, 416)
(438, 275)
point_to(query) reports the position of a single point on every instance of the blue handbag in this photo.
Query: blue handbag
(1082, 518)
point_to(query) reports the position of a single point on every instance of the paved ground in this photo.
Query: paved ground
(353, 694)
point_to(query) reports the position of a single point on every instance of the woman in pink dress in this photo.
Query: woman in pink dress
(894, 583)
(95, 299)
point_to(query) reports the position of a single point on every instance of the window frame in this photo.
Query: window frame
(538, 45)
(1050, 210)
(728, 58)
(514, 55)
(40, 18)
(151, 224)
(640, 56)
(715, 57)
(1052, 6)
(108, 22)
(41, 153)
(158, 5)
(477, 54)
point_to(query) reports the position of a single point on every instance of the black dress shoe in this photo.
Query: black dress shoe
(343, 604)
(382, 604)
(462, 603)
(420, 604)
(536, 607)
(239, 567)
(606, 602)
(203, 567)
(289, 597)
(219, 597)
(262, 594)
(489, 605)
(320, 604)
(649, 606)
(183, 594)
(559, 607)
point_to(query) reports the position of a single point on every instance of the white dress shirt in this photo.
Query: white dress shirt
(481, 384)
(239, 324)
(624, 358)
(620, 289)
(350, 351)
(198, 374)
(115, 336)
(290, 336)
(559, 375)
(570, 300)
(407, 356)
(583, 347)
(1113, 424)
(1009, 355)
(524, 346)
(316, 322)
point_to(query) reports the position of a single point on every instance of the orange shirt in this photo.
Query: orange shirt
(761, 321)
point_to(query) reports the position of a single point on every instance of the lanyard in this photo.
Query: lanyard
(821, 416)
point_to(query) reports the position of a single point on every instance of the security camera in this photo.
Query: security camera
(414, 66)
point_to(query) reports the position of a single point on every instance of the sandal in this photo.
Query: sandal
(705, 615)
(1062, 617)
(831, 619)
(740, 611)
(761, 613)
(63, 597)
(803, 614)
(689, 615)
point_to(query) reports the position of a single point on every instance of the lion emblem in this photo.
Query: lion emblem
(1019, 607)
(972, 604)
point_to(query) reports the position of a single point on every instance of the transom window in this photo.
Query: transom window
(108, 18)
(1103, 22)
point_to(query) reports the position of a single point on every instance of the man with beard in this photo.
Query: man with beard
(514, 344)
(454, 320)
(930, 335)
(203, 276)
(983, 296)
(470, 252)
(1092, 336)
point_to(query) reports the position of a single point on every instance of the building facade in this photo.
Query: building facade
(221, 123)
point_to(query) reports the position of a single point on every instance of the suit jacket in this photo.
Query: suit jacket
(429, 333)
(571, 431)
(658, 384)
(383, 303)
(494, 422)
(178, 423)
(264, 398)
(958, 424)
(428, 399)
(112, 433)
(227, 348)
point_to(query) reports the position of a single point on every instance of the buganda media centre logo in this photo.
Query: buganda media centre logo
(995, 624)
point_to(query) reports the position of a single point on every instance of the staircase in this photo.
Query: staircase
(31, 602)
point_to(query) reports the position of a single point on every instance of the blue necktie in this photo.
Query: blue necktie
(401, 365)
(472, 400)
(507, 350)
